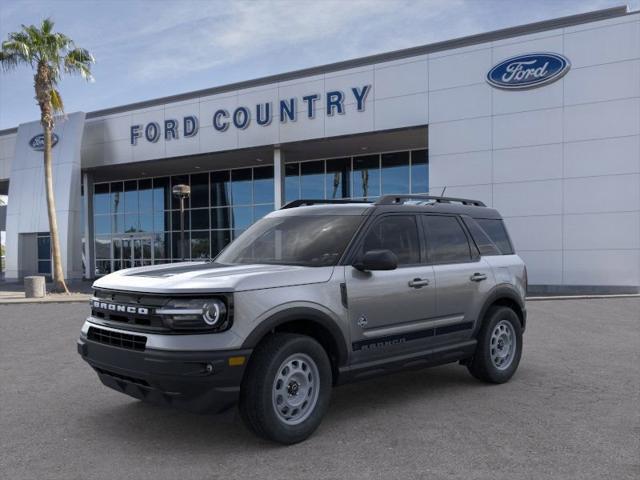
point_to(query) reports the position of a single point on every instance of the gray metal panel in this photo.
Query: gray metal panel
(3, 217)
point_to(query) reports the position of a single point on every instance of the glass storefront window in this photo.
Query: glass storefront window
(292, 182)
(366, 176)
(420, 171)
(200, 219)
(224, 203)
(337, 184)
(395, 172)
(101, 199)
(241, 193)
(179, 180)
(220, 189)
(312, 179)
(263, 185)
(200, 190)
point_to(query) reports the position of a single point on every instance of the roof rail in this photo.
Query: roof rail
(397, 199)
(307, 202)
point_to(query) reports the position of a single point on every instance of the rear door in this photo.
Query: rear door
(462, 278)
(388, 309)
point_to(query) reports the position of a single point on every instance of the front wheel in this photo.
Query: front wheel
(499, 346)
(287, 388)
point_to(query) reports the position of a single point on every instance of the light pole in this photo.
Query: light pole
(182, 192)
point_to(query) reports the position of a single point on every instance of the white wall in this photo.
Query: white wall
(7, 151)
(561, 162)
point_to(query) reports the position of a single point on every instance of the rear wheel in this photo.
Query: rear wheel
(287, 388)
(499, 346)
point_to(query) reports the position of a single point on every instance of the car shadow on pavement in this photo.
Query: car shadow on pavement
(153, 427)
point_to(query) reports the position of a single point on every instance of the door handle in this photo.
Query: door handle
(478, 277)
(418, 283)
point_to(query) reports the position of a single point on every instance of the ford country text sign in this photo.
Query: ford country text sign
(528, 71)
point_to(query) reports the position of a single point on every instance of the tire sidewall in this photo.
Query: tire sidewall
(495, 316)
(277, 429)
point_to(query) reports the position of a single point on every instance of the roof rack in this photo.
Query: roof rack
(308, 202)
(398, 199)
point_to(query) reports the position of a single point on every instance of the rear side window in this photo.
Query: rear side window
(484, 243)
(497, 233)
(397, 233)
(446, 240)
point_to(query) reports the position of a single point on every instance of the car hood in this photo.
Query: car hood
(199, 277)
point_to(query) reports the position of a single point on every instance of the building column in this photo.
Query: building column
(87, 200)
(278, 178)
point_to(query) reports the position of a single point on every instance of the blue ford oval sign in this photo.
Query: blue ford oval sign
(528, 71)
(37, 142)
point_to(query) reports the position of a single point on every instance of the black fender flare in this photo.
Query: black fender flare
(308, 314)
(499, 292)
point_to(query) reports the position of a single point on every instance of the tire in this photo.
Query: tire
(499, 346)
(286, 389)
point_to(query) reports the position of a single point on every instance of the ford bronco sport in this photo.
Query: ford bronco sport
(313, 295)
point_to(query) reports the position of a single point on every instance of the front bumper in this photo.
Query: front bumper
(195, 381)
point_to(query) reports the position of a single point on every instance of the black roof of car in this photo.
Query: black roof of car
(394, 203)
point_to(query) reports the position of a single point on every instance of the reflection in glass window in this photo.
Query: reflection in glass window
(101, 199)
(199, 245)
(161, 222)
(241, 187)
(220, 189)
(263, 185)
(131, 222)
(242, 217)
(395, 172)
(397, 233)
(219, 240)
(117, 198)
(446, 241)
(161, 194)
(117, 223)
(337, 183)
(260, 211)
(146, 222)
(200, 219)
(145, 195)
(420, 171)
(292, 182)
(220, 218)
(103, 247)
(161, 245)
(200, 190)
(131, 196)
(102, 224)
(312, 179)
(366, 176)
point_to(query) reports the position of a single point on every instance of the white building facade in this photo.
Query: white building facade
(540, 121)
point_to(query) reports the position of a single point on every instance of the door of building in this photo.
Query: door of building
(132, 251)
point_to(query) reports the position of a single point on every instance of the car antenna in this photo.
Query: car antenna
(443, 190)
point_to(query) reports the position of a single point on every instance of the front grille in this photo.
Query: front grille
(145, 321)
(117, 339)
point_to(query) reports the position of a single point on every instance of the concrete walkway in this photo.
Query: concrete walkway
(14, 293)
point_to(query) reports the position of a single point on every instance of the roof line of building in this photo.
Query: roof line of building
(509, 32)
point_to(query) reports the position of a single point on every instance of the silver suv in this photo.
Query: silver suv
(316, 294)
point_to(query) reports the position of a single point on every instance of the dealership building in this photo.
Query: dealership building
(541, 121)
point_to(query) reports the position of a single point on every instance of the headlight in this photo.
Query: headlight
(199, 314)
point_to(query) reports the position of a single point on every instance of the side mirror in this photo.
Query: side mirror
(377, 260)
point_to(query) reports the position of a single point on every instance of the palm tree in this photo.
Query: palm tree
(50, 55)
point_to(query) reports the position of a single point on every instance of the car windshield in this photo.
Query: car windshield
(312, 241)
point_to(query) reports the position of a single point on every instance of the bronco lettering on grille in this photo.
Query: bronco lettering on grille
(114, 307)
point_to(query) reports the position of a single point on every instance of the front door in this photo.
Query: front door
(388, 310)
(132, 251)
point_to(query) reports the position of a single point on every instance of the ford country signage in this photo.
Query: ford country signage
(528, 71)
(261, 114)
(37, 142)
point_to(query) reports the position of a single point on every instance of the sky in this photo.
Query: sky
(150, 49)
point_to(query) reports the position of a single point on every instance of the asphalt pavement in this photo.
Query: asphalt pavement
(572, 411)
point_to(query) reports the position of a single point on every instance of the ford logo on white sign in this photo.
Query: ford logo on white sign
(528, 71)
(37, 142)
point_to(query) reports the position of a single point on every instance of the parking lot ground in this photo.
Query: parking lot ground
(572, 411)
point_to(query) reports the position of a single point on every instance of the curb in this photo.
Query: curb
(582, 297)
(70, 299)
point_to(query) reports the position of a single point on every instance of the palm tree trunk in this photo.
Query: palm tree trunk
(59, 284)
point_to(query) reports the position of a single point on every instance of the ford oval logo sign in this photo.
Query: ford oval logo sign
(37, 142)
(528, 71)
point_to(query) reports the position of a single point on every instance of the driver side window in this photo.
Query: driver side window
(398, 233)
